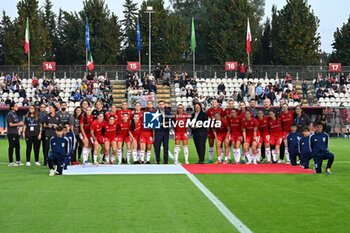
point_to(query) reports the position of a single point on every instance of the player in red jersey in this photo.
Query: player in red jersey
(287, 118)
(124, 109)
(135, 134)
(263, 126)
(236, 134)
(210, 113)
(227, 112)
(222, 136)
(250, 136)
(110, 138)
(181, 133)
(275, 126)
(112, 112)
(242, 110)
(85, 122)
(137, 109)
(147, 138)
(97, 138)
(123, 136)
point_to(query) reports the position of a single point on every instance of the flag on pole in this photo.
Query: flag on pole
(26, 38)
(138, 37)
(87, 36)
(90, 63)
(193, 37)
(249, 38)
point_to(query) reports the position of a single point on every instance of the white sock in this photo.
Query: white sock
(287, 154)
(95, 158)
(134, 155)
(255, 158)
(186, 153)
(229, 152)
(250, 151)
(268, 154)
(138, 155)
(275, 155)
(148, 155)
(219, 158)
(101, 157)
(119, 153)
(112, 158)
(176, 152)
(259, 154)
(128, 155)
(226, 158)
(237, 154)
(211, 151)
(247, 155)
(142, 155)
(107, 158)
(85, 154)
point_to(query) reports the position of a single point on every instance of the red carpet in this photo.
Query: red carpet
(244, 168)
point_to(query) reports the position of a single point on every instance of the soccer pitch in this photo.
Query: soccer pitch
(31, 201)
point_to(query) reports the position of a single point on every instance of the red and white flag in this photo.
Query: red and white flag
(26, 38)
(249, 38)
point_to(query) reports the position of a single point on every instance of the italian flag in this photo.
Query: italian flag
(90, 63)
(26, 38)
(249, 38)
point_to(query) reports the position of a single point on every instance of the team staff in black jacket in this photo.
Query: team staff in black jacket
(32, 134)
(13, 134)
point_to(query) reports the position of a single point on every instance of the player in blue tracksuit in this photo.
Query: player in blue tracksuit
(68, 133)
(292, 144)
(304, 148)
(319, 149)
(59, 149)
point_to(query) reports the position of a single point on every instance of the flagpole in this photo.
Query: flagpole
(194, 63)
(86, 62)
(140, 65)
(28, 63)
(248, 59)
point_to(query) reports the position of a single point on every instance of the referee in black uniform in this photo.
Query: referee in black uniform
(52, 120)
(13, 134)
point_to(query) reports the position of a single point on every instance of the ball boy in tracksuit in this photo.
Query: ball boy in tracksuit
(304, 148)
(59, 149)
(319, 149)
(292, 144)
(69, 134)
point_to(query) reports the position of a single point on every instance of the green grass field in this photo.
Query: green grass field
(31, 201)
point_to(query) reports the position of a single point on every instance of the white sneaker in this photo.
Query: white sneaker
(52, 172)
(13, 164)
(120, 162)
(254, 162)
(28, 164)
(176, 162)
(280, 161)
(187, 162)
(37, 163)
(19, 163)
(288, 162)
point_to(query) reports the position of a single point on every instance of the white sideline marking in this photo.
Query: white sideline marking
(222, 208)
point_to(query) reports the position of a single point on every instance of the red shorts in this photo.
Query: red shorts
(146, 138)
(211, 134)
(137, 138)
(121, 138)
(264, 138)
(284, 135)
(99, 140)
(250, 139)
(221, 137)
(236, 138)
(110, 139)
(181, 136)
(275, 140)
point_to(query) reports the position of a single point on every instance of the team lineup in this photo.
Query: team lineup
(253, 135)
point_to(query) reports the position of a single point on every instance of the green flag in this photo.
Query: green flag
(193, 37)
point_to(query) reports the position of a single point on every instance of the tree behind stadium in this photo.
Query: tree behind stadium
(341, 45)
(295, 40)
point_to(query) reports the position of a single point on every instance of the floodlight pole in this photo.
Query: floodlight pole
(149, 11)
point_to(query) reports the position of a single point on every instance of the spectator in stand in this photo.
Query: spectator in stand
(288, 78)
(189, 86)
(189, 92)
(251, 90)
(90, 77)
(296, 97)
(35, 82)
(221, 87)
(259, 91)
(158, 71)
(271, 95)
(2, 79)
(342, 79)
(8, 101)
(152, 87)
(319, 93)
(2, 103)
(239, 97)
(244, 88)
(195, 92)
(242, 71)
(77, 96)
(167, 72)
(189, 109)
(278, 96)
(304, 87)
(183, 92)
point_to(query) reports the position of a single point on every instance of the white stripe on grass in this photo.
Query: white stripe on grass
(221, 207)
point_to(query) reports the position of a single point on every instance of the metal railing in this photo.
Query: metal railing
(202, 71)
